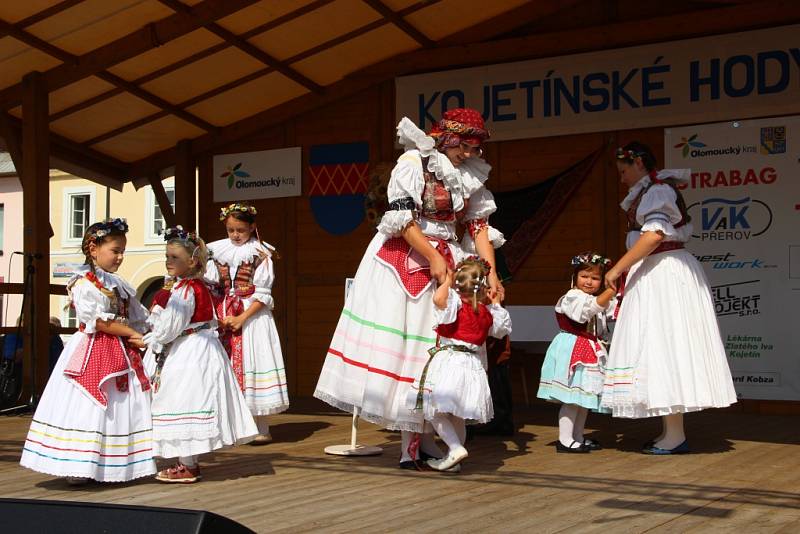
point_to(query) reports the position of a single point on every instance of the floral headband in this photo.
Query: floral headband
(590, 259)
(177, 232)
(475, 259)
(236, 206)
(628, 154)
(107, 226)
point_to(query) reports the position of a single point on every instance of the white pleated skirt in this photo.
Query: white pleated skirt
(666, 354)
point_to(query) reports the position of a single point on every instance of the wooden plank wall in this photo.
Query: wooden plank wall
(309, 289)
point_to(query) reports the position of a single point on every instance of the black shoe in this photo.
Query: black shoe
(411, 465)
(580, 449)
(424, 456)
(592, 444)
(648, 444)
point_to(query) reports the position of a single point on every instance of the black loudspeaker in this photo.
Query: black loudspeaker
(28, 516)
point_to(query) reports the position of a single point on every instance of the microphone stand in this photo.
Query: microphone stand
(27, 291)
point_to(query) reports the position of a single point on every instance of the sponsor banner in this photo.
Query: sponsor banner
(255, 175)
(65, 270)
(733, 76)
(744, 200)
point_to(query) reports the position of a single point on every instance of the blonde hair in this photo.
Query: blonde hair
(195, 247)
(470, 280)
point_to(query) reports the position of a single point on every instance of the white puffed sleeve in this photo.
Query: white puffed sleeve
(450, 312)
(90, 305)
(405, 189)
(137, 315)
(211, 275)
(263, 278)
(476, 217)
(501, 321)
(658, 210)
(578, 306)
(173, 320)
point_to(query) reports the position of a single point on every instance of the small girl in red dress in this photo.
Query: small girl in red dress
(454, 388)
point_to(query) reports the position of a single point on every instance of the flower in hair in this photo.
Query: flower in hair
(475, 259)
(107, 226)
(236, 206)
(177, 232)
(590, 259)
(628, 154)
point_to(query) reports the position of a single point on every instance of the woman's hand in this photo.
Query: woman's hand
(611, 278)
(438, 268)
(137, 342)
(496, 289)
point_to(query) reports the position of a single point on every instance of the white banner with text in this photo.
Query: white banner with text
(744, 200)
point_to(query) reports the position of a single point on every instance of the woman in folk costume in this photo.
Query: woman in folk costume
(197, 405)
(667, 357)
(93, 421)
(242, 273)
(453, 388)
(574, 366)
(380, 343)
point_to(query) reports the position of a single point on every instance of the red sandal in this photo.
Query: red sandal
(179, 474)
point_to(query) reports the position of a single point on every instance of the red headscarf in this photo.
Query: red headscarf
(460, 125)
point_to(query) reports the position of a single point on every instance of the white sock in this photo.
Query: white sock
(674, 434)
(188, 461)
(580, 424)
(405, 441)
(446, 430)
(262, 424)
(566, 423)
(428, 443)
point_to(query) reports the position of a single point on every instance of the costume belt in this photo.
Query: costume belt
(433, 351)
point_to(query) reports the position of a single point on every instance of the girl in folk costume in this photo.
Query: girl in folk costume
(453, 387)
(93, 421)
(667, 357)
(242, 274)
(386, 325)
(197, 405)
(573, 369)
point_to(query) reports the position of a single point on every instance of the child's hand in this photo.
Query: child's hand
(497, 298)
(234, 323)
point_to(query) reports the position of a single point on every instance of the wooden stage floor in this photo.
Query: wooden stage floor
(745, 476)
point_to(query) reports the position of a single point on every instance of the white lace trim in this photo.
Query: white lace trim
(680, 175)
(226, 253)
(108, 280)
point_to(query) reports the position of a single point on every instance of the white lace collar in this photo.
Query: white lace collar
(227, 253)
(680, 175)
(460, 181)
(108, 280)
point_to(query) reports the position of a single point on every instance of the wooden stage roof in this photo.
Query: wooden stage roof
(744, 477)
(129, 79)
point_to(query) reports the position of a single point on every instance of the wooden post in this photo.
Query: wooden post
(185, 186)
(162, 199)
(36, 243)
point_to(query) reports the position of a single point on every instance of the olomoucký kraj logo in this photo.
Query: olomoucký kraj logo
(232, 173)
(688, 144)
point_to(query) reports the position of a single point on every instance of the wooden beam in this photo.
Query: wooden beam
(113, 79)
(46, 13)
(387, 13)
(249, 49)
(137, 42)
(35, 232)
(185, 186)
(617, 35)
(162, 199)
(510, 20)
(250, 77)
(192, 59)
(13, 141)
